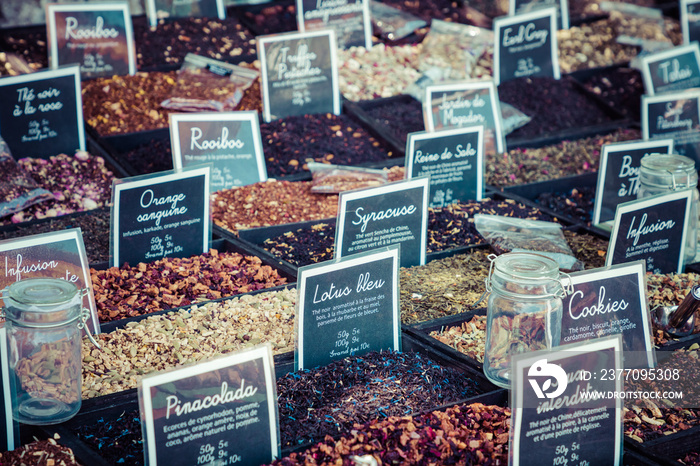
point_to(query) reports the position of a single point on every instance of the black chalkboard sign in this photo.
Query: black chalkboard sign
(526, 45)
(611, 301)
(454, 160)
(162, 215)
(299, 74)
(670, 70)
(396, 213)
(9, 429)
(222, 411)
(99, 37)
(348, 307)
(57, 254)
(517, 7)
(674, 115)
(41, 114)
(229, 141)
(553, 422)
(466, 104)
(350, 19)
(618, 175)
(653, 229)
(690, 20)
(157, 9)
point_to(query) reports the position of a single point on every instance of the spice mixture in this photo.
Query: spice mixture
(165, 341)
(463, 434)
(168, 283)
(129, 104)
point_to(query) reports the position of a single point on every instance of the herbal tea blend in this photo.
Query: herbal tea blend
(167, 283)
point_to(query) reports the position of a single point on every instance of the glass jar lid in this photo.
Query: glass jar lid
(42, 302)
(668, 171)
(525, 267)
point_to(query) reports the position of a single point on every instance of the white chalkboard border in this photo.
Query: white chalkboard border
(262, 351)
(522, 361)
(633, 206)
(502, 21)
(563, 9)
(638, 269)
(136, 182)
(6, 391)
(153, 14)
(648, 60)
(616, 147)
(488, 84)
(287, 36)
(366, 21)
(46, 239)
(647, 100)
(423, 135)
(397, 186)
(306, 272)
(685, 20)
(250, 117)
(60, 72)
(51, 32)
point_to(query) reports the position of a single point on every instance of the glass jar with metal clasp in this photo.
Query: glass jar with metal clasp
(665, 173)
(524, 309)
(44, 319)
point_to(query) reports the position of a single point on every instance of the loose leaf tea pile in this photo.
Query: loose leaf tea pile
(118, 441)
(128, 291)
(463, 434)
(94, 226)
(576, 203)
(330, 400)
(648, 419)
(528, 165)
(288, 142)
(129, 104)
(172, 39)
(448, 227)
(553, 104)
(621, 88)
(40, 453)
(78, 183)
(443, 287)
(165, 341)
(270, 203)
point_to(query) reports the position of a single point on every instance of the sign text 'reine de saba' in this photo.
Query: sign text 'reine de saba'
(454, 160)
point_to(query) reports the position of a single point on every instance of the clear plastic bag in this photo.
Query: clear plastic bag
(330, 179)
(391, 23)
(18, 190)
(206, 85)
(508, 234)
(459, 50)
